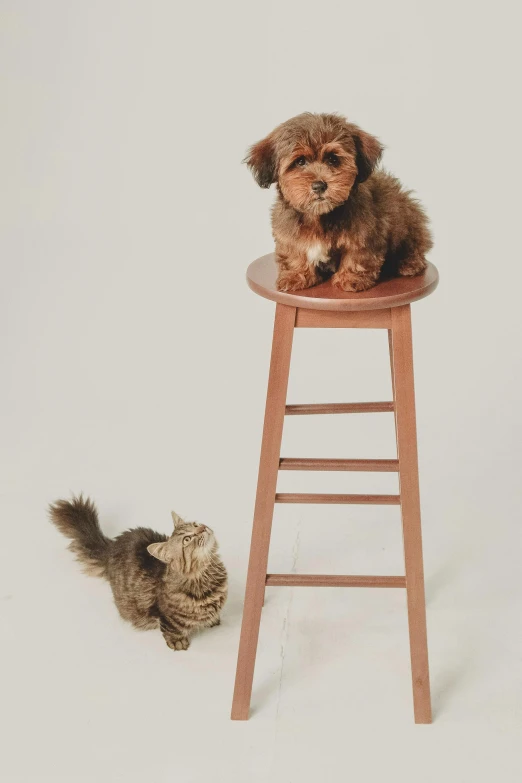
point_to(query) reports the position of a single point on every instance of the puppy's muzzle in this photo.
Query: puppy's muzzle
(319, 187)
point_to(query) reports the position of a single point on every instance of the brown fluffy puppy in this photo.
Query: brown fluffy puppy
(335, 213)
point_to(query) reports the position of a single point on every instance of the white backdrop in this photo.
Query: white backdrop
(134, 364)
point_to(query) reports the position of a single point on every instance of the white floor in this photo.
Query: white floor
(86, 698)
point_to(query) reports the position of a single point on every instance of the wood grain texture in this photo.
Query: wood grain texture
(332, 580)
(402, 359)
(333, 319)
(262, 273)
(358, 465)
(360, 500)
(264, 507)
(340, 310)
(325, 408)
(390, 350)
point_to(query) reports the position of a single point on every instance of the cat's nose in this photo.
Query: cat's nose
(201, 528)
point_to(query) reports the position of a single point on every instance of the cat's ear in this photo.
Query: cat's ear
(176, 519)
(159, 551)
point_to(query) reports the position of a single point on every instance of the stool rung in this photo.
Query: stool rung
(339, 407)
(327, 580)
(362, 465)
(362, 500)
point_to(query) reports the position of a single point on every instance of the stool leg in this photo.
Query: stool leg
(391, 361)
(264, 507)
(402, 361)
(390, 347)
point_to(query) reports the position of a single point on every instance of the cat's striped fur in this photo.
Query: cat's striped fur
(178, 584)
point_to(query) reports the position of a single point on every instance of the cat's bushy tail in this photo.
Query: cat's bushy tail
(77, 519)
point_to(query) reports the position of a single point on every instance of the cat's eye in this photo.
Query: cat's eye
(186, 539)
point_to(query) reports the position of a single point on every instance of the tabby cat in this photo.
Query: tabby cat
(178, 583)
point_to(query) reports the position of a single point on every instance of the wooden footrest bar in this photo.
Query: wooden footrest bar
(362, 500)
(339, 407)
(324, 580)
(362, 465)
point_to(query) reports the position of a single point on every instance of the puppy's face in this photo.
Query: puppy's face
(315, 159)
(317, 177)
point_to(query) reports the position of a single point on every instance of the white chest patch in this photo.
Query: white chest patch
(317, 254)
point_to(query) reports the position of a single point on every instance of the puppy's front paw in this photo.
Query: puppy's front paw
(351, 281)
(295, 281)
(413, 266)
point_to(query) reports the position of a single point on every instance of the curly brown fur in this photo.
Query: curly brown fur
(335, 213)
(178, 584)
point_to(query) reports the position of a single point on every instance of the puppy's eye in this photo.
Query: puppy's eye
(186, 539)
(332, 159)
(300, 161)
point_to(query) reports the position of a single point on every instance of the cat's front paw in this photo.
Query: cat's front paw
(216, 622)
(178, 644)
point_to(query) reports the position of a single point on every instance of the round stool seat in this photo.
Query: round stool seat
(392, 292)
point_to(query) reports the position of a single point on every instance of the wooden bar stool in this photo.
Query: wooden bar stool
(386, 306)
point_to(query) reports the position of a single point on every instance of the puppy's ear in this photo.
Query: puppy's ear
(261, 160)
(369, 151)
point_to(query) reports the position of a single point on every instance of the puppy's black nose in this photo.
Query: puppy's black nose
(319, 186)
